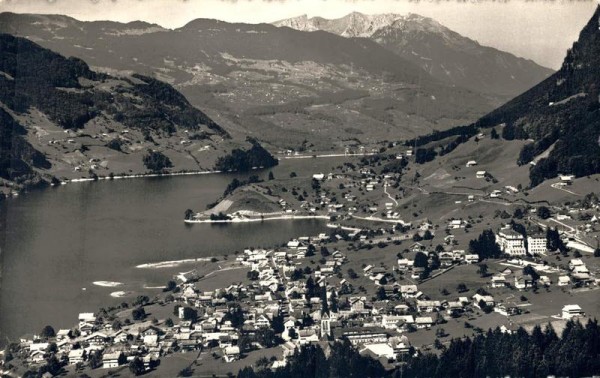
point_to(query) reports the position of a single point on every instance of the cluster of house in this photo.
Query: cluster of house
(92, 336)
(446, 259)
(577, 273)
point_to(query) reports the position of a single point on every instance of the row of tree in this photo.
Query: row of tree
(540, 353)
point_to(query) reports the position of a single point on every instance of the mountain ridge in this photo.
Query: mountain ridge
(562, 112)
(58, 118)
(443, 53)
(260, 80)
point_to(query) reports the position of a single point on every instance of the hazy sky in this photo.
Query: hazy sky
(539, 30)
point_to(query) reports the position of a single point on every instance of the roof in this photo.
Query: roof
(572, 307)
(424, 320)
(232, 350)
(112, 356)
(76, 353)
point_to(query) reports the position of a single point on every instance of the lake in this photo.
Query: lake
(57, 241)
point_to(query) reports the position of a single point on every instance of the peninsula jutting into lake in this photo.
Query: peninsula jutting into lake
(381, 192)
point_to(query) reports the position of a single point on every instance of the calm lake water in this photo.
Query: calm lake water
(57, 241)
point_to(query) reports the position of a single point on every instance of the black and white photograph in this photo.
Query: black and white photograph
(299, 188)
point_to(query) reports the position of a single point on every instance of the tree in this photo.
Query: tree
(311, 288)
(47, 332)
(116, 325)
(170, 286)
(53, 366)
(190, 314)
(186, 372)
(352, 274)
(297, 274)
(277, 324)
(381, 295)
(482, 270)
(420, 260)
(494, 134)
(95, 359)
(543, 212)
(243, 161)
(485, 245)
(138, 313)
(136, 366)
(156, 161)
(169, 322)
(461, 288)
(141, 300)
(334, 302)
(52, 348)
(271, 176)
(532, 272)
(252, 275)
(427, 235)
(518, 214)
(236, 316)
(554, 242)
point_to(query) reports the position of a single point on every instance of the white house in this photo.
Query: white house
(487, 299)
(499, 281)
(76, 356)
(365, 337)
(381, 350)
(511, 242)
(566, 179)
(537, 244)
(571, 311)
(564, 281)
(424, 322)
(111, 360)
(408, 291)
(231, 353)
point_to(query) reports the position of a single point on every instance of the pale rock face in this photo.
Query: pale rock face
(443, 53)
(353, 25)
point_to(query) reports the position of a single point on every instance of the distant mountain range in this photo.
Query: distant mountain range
(289, 88)
(443, 53)
(561, 114)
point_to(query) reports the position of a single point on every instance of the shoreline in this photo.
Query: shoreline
(261, 219)
(287, 157)
(142, 175)
(172, 263)
(269, 217)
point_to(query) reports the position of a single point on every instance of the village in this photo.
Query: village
(315, 290)
(404, 267)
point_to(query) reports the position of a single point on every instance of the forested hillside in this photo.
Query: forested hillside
(59, 118)
(70, 94)
(563, 112)
(539, 353)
